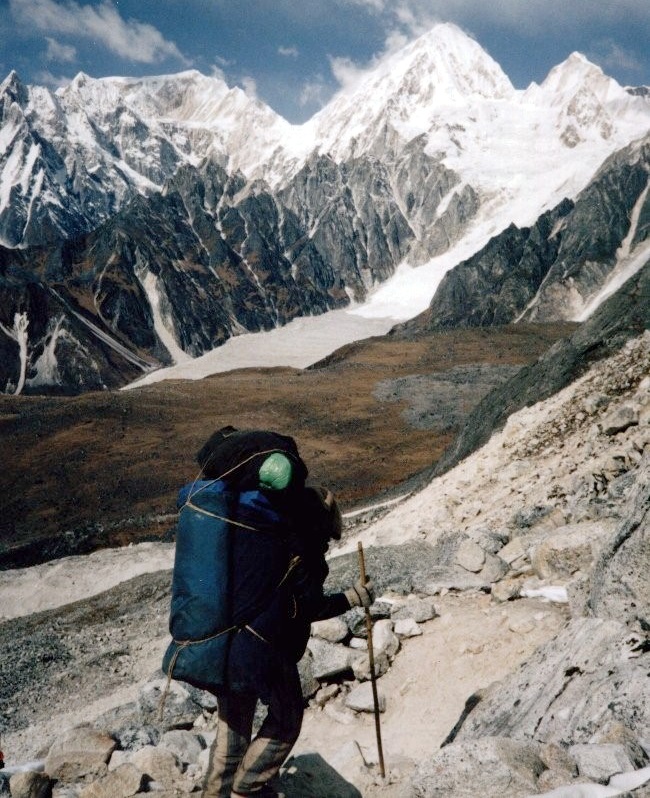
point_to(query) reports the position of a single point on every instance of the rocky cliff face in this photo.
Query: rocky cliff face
(176, 274)
(623, 316)
(562, 266)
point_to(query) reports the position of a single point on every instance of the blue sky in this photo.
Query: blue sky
(294, 54)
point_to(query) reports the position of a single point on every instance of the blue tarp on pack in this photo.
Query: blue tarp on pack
(230, 557)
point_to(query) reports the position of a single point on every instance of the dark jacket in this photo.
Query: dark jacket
(247, 583)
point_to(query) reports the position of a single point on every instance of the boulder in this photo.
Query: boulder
(80, 753)
(361, 699)
(330, 659)
(561, 768)
(186, 745)
(506, 589)
(601, 762)
(620, 419)
(417, 609)
(30, 785)
(637, 749)
(123, 782)
(119, 758)
(335, 630)
(384, 640)
(407, 627)
(308, 682)
(572, 548)
(470, 556)
(493, 568)
(132, 737)
(182, 704)
(492, 767)
(358, 644)
(356, 617)
(158, 764)
(326, 693)
(515, 553)
(361, 666)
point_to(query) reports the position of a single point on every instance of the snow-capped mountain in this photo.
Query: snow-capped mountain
(147, 221)
(114, 137)
(563, 266)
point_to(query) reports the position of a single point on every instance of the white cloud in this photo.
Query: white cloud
(315, 93)
(527, 16)
(60, 52)
(46, 78)
(612, 56)
(250, 87)
(130, 39)
(217, 72)
(346, 72)
(289, 52)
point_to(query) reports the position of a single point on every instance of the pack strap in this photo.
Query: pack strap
(182, 644)
(198, 509)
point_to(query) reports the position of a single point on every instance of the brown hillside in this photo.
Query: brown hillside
(103, 468)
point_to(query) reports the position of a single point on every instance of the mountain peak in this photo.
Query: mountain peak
(12, 86)
(405, 90)
(448, 62)
(80, 80)
(576, 70)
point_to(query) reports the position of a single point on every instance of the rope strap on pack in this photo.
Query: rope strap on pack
(182, 644)
(198, 509)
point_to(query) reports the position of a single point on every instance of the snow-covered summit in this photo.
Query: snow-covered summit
(574, 71)
(443, 86)
(200, 116)
(408, 90)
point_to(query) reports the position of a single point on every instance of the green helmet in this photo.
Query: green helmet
(276, 472)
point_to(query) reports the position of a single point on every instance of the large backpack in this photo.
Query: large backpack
(231, 564)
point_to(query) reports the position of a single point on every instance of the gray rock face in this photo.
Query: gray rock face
(623, 316)
(619, 584)
(595, 232)
(217, 255)
(590, 674)
(491, 767)
(552, 270)
(495, 285)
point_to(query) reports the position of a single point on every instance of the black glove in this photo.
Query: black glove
(361, 595)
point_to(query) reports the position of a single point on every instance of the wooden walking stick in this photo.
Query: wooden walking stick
(371, 657)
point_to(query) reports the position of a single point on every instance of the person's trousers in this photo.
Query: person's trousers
(240, 765)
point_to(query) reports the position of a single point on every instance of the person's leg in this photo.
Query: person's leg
(275, 738)
(234, 729)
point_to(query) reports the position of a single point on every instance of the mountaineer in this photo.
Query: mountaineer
(247, 584)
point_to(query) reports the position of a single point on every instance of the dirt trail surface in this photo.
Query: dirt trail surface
(65, 666)
(473, 643)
